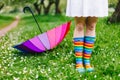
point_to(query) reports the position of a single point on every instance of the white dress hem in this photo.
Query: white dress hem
(86, 8)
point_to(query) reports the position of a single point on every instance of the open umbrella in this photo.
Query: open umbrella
(45, 41)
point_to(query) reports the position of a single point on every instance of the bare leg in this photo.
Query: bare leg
(79, 29)
(90, 26)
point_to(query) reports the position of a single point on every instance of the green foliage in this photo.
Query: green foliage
(19, 4)
(5, 20)
(113, 3)
(59, 63)
(16, 2)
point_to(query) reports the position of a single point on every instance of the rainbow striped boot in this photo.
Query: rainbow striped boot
(88, 46)
(78, 48)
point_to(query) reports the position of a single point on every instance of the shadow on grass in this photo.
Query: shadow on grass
(18, 53)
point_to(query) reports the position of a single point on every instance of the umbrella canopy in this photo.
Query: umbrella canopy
(45, 41)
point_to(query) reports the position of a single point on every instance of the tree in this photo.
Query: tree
(116, 15)
(15, 5)
(41, 4)
(1, 5)
(47, 8)
(57, 9)
(36, 5)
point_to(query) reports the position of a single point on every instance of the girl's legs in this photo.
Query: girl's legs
(79, 42)
(89, 41)
(79, 29)
(90, 26)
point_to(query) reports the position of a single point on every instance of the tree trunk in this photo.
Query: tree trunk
(1, 6)
(47, 9)
(37, 8)
(116, 15)
(57, 10)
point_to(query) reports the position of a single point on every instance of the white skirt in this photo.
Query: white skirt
(86, 8)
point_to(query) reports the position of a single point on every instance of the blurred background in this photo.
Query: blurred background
(40, 6)
(44, 7)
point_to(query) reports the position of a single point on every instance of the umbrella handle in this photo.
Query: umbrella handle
(28, 8)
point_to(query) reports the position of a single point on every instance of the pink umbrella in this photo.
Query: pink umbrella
(45, 41)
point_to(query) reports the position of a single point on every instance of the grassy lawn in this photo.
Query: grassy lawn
(59, 63)
(5, 20)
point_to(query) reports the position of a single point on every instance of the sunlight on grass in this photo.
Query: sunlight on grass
(59, 63)
(5, 21)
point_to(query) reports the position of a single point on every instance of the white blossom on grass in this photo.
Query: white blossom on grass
(15, 78)
(9, 74)
(14, 58)
(113, 59)
(71, 52)
(36, 76)
(0, 66)
(119, 75)
(95, 76)
(24, 70)
(31, 71)
(80, 75)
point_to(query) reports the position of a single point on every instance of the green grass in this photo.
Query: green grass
(5, 20)
(59, 63)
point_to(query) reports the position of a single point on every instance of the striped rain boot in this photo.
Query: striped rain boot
(78, 48)
(88, 46)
